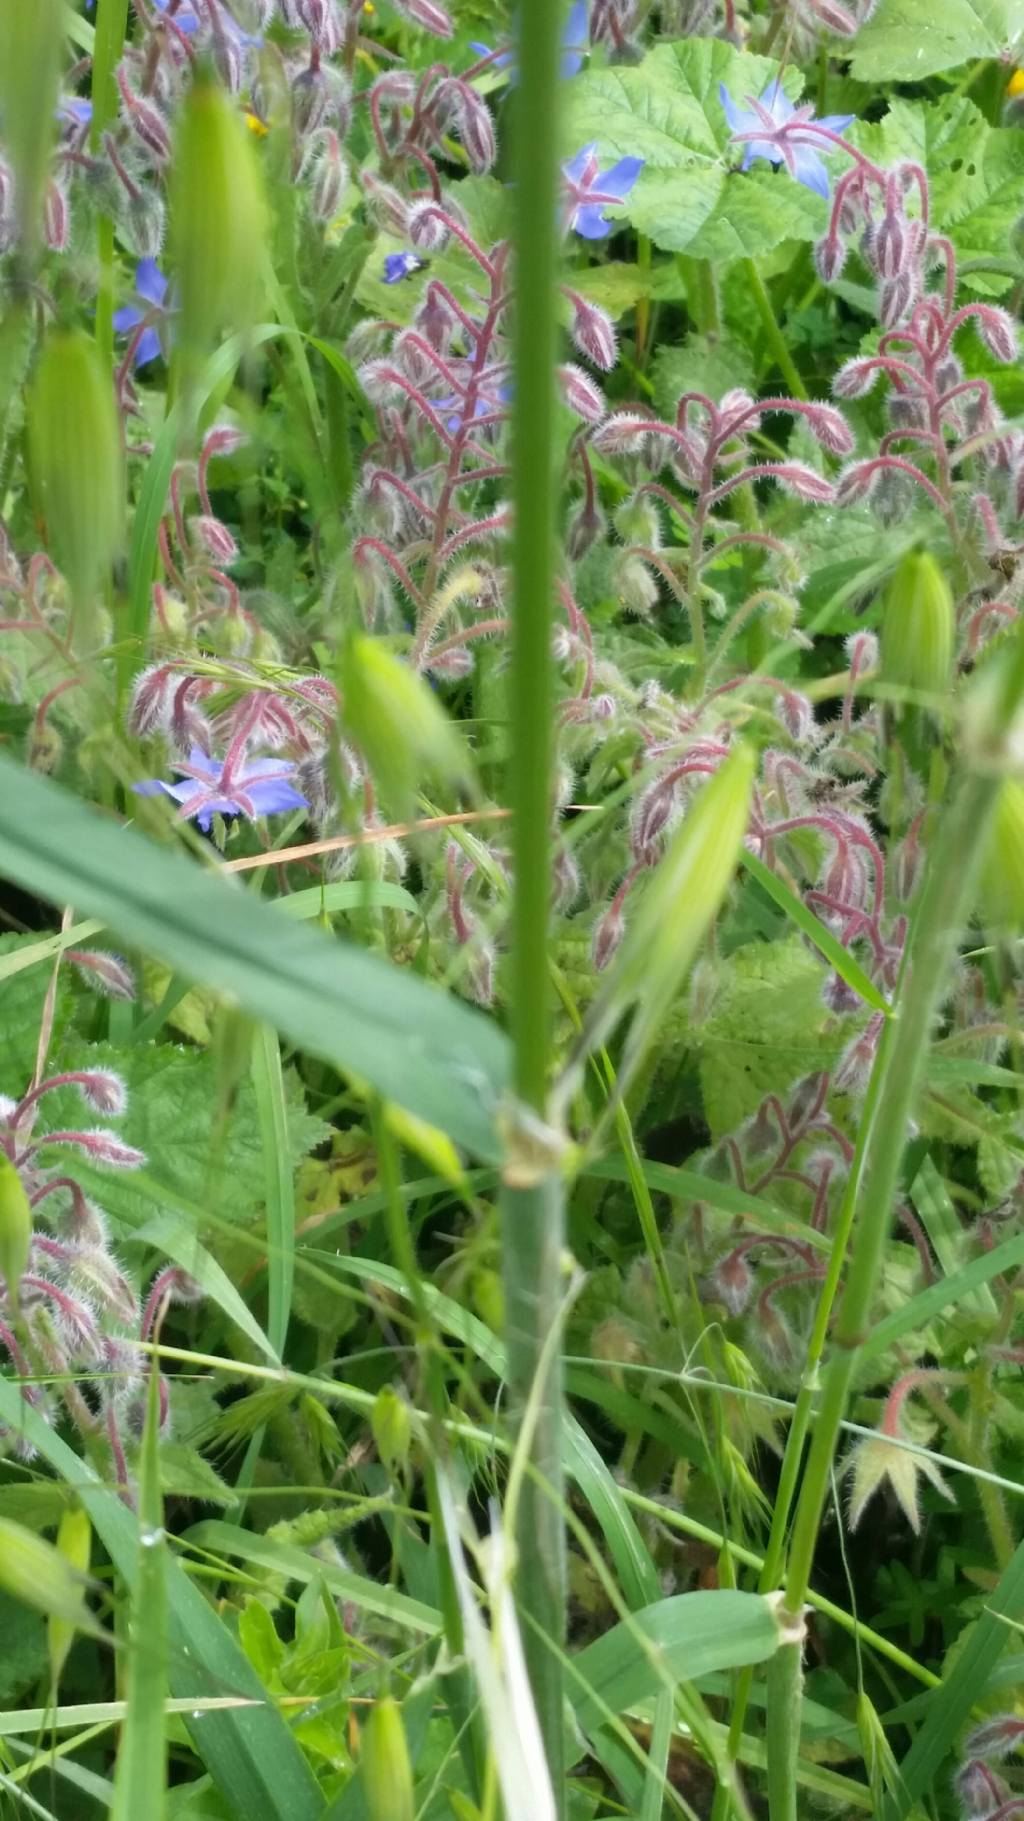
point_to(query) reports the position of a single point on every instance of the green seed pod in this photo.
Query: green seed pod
(74, 1543)
(31, 42)
(15, 1227)
(918, 627)
(1001, 886)
(37, 1574)
(683, 896)
(77, 466)
(219, 218)
(384, 1760)
(392, 1427)
(398, 723)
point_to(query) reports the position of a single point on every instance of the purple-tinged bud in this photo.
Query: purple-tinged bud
(315, 16)
(386, 206)
(581, 394)
(795, 713)
(829, 258)
(836, 18)
(998, 331)
(100, 1145)
(56, 218)
(896, 297)
(853, 1070)
(481, 973)
(214, 538)
(996, 1738)
(454, 664)
(102, 1090)
(651, 817)
(594, 333)
(585, 528)
(855, 378)
(145, 123)
(476, 130)
(152, 699)
(223, 439)
(804, 481)
(227, 60)
(830, 429)
(608, 934)
(329, 177)
(981, 1792)
(624, 433)
(856, 483)
(845, 877)
(309, 102)
(889, 242)
(806, 1097)
(732, 1282)
(907, 410)
(44, 747)
(108, 974)
(892, 496)
(426, 226)
(861, 650)
(948, 373)
(839, 997)
(427, 13)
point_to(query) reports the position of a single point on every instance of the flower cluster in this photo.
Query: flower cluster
(71, 1321)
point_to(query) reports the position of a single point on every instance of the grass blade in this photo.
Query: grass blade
(811, 926)
(139, 1781)
(431, 1054)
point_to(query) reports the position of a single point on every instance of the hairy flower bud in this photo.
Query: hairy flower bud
(214, 538)
(109, 974)
(593, 332)
(328, 179)
(855, 378)
(998, 331)
(581, 394)
(803, 481)
(426, 226)
(429, 14)
(634, 585)
(829, 257)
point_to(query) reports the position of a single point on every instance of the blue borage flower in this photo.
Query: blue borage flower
(209, 787)
(402, 265)
(151, 288)
(591, 190)
(762, 122)
(575, 45)
(185, 19)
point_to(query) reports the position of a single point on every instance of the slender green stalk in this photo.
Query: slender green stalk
(532, 1202)
(111, 25)
(776, 339)
(945, 906)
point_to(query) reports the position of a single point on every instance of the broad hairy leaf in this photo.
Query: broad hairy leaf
(690, 197)
(907, 40)
(418, 1046)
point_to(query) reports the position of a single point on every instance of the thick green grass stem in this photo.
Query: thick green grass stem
(944, 908)
(773, 334)
(533, 1209)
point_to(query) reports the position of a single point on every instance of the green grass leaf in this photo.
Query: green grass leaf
(679, 1639)
(419, 1047)
(812, 927)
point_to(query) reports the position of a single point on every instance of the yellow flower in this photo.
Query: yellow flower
(256, 125)
(1015, 86)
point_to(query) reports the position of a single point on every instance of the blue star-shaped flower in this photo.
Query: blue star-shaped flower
(764, 122)
(591, 190)
(575, 45)
(401, 265)
(256, 787)
(151, 287)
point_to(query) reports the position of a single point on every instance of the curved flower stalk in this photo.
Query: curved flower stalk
(70, 1326)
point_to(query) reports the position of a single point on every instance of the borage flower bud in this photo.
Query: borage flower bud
(152, 697)
(585, 528)
(607, 935)
(214, 538)
(309, 102)
(803, 481)
(980, 1791)
(623, 433)
(998, 331)
(634, 585)
(145, 123)
(56, 218)
(100, 1146)
(144, 223)
(581, 394)
(830, 258)
(996, 1738)
(855, 378)
(329, 177)
(732, 1282)
(426, 226)
(108, 974)
(830, 428)
(593, 332)
(429, 14)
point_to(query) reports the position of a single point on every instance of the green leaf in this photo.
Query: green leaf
(679, 1639)
(907, 40)
(919, 1310)
(765, 1029)
(249, 1751)
(417, 1045)
(703, 363)
(941, 1222)
(23, 993)
(690, 197)
(948, 1707)
(299, 1565)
